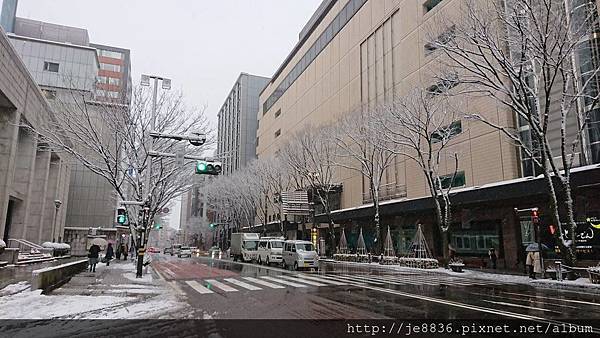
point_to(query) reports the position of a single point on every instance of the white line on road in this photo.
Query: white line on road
(283, 281)
(242, 284)
(343, 280)
(324, 280)
(196, 286)
(264, 283)
(303, 280)
(562, 300)
(521, 306)
(220, 285)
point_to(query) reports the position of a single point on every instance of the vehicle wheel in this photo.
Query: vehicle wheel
(267, 261)
(283, 266)
(295, 266)
(259, 261)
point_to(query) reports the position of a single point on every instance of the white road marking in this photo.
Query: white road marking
(196, 286)
(562, 300)
(264, 283)
(324, 280)
(220, 285)
(358, 279)
(283, 281)
(521, 306)
(169, 272)
(343, 280)
(242, 284)
(303, 280)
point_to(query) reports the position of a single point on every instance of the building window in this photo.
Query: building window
(459, 180)
(443, 85)
(110, 54)
(277, 133)
(114, 81)
(430, 4)
(277, 113)
(442, 39)
(51, 66)
(447, 132)
(49, 94)
(110, 67)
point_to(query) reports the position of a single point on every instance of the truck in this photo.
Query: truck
(244, 246)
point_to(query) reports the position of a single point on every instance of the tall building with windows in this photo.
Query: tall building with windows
(114, 77)
(61, 60)
(357, 53)
(236, 143)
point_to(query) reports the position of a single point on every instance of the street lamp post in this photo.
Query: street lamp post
(57, 204)
(166, 84)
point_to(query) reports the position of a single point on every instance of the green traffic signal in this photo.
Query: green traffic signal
(208, 168)
(121, 216)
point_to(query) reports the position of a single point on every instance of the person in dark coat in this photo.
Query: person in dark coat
(93, 257)
(493, 257)
(109, 254)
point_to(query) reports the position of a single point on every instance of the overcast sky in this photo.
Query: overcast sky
(202, 45)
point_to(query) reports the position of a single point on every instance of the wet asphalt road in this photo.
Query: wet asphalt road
(222, 289)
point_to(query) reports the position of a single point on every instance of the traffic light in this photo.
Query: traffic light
(121, 215)
(212, 225)
(208, 168)
(157, 226)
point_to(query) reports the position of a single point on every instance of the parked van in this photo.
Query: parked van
(299, 255)
(269, 250)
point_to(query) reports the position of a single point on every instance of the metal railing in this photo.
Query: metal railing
(387, 192)
(24, 245)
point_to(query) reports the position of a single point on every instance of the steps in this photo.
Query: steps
(3, 264)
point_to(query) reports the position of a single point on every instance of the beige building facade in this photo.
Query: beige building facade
(378, 53)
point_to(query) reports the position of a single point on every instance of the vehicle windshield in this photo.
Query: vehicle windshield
(304, 247)
(250, 245)
(185, 248)
(177, 246)
(276, 245)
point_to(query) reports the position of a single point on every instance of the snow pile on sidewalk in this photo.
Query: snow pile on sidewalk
(14, 288)
(146, 278)
(59, 246)
(34, 305)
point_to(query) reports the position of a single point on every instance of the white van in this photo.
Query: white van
(299, 254)
(269, 250)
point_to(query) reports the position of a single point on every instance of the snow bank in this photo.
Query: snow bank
(34, 305)
(146, 278)
(14, 288)
(2, 244)
(58, 246)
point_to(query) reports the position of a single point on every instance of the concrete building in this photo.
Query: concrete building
(114, 77)
(8, 13)
(236, 143)
(33, 176)
(61, 60)
(356, 53)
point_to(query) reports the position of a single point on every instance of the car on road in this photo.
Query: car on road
(269, 250)
(175, 248)
(168, 251)
(299, 255)
(184, 251)
(195, 251)
(153, 250)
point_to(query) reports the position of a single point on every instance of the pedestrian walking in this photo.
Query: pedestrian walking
(124, 250)
(109, 254)
(493, 257)
(534, 264)
(118, 253)
(93, 257)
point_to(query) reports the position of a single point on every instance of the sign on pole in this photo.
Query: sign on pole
(179, 158)
(295, 203)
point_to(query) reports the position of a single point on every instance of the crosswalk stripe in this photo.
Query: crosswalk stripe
(323, 280)
(431, 281)
(283, 281)
(264, 283)
(362, 278)
(242, 284)
(220, 285)
(345, 280)
(303, 280)
(196, 286)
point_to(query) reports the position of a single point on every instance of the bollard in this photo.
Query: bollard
(212, 255)
(220, 254)
(558, 270)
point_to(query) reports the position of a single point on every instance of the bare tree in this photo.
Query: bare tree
(310, 157)
(363, 148)
(112, 141)
(420, 126)
(536, 59)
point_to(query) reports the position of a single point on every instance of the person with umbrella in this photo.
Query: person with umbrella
(93, 256)
(533, 261)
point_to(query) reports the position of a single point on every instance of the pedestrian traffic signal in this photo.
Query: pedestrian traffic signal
(157, 226)
(208, 168)
(121, 215)
(212, 225)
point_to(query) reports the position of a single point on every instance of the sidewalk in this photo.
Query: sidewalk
(111, 292)
(580, 284)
